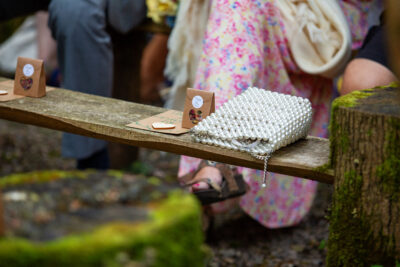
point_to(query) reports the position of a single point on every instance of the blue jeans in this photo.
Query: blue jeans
(85, 57)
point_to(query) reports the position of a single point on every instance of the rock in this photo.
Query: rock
(94, 226)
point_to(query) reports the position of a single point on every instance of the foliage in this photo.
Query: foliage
(40, 177)
(158, 9)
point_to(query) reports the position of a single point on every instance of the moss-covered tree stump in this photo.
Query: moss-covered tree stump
(365, 147)
(134, 221)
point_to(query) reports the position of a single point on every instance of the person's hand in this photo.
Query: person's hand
(152, 68)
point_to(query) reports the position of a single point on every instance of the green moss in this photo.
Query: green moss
(350, 100)
(349, 230)
(40, 177)
(352, 241)
(326, 168)
(163, 240)
(323, 168)
(154, 180)
(343, 140)
(391, 85)
(339, 137)
(172, 237)
(139, 167)
(115, 173)
(389, 170)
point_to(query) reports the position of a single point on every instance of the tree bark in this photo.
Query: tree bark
(365, 147)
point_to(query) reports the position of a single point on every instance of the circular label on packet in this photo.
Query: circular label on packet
(197, 101)
(28, 70)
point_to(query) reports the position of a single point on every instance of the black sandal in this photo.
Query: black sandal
(232, 184)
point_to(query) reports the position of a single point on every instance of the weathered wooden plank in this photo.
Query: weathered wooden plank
(105, 118)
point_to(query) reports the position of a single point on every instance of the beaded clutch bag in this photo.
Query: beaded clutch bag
(257, 121)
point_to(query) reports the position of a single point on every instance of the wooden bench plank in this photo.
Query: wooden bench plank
(105, 118)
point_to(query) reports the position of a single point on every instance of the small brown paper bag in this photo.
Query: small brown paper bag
(30, 78)
(198, 105)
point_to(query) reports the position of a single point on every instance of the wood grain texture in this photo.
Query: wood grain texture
(105, 118)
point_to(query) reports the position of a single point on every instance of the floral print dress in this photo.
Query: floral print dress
(245, 45)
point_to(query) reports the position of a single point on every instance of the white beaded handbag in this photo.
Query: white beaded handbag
(257, 121)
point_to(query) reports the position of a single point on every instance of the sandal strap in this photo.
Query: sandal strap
(189, 176)
(226, 172)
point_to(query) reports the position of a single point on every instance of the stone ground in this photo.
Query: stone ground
(235, 239)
